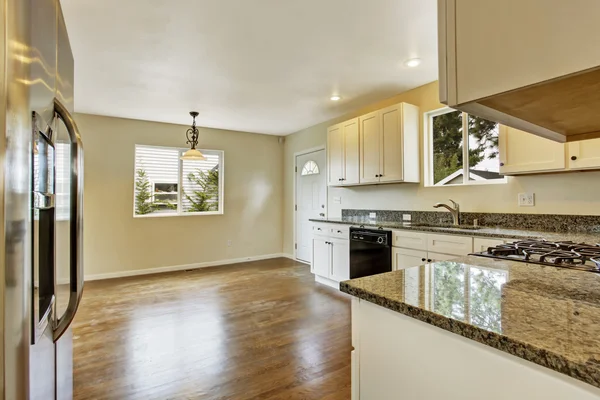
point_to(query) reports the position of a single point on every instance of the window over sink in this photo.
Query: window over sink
(461, 149)
(165, 185)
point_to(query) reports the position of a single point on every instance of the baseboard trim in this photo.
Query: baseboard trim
(172, 268)
(327, 282)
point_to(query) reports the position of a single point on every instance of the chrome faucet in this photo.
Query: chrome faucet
(454, 211)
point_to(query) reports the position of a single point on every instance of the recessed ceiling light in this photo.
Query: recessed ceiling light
(335, 98)
(413, 62)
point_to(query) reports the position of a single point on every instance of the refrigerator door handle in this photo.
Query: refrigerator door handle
(76, 220)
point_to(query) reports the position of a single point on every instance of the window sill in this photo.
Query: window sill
(473, 183)
(190, 214)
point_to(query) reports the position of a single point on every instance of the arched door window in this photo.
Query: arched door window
(310, 168)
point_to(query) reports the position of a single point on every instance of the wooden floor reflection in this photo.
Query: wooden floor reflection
(258, 330)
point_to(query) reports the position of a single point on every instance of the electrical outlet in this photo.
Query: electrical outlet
(526, 199)
(372, 215)
(406, 217)
(229, 243)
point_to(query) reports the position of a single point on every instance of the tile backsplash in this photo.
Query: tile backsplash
(542, 222)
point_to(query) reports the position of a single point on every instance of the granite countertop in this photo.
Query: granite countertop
(543, 314)
(492, 232)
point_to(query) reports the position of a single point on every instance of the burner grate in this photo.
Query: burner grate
(564, 254)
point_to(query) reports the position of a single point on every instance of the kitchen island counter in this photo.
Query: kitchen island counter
(546, 315)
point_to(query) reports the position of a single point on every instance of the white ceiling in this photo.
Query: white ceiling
(266, 66)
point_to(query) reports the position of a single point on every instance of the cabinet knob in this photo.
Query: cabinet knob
(423, 259)
(573, 158)
(502, 164)
(429, 260)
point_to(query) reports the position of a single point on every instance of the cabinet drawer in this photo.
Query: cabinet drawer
(340, 231)
(409, 240)
(321, 229)
(450, 244)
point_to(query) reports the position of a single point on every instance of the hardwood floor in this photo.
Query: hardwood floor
(258, 330)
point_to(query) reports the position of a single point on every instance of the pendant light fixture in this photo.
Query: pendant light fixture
(192, 139)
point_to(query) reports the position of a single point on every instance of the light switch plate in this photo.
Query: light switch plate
(337, 200)
(526, 199)
(406, 217)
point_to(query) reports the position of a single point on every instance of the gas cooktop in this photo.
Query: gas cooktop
(564, 254)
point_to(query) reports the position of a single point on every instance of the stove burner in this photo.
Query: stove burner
(564, 254)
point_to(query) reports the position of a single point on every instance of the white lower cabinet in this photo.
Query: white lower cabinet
(340, 260)
(331, 254)
(405, 258)
(435, 257)
(321, 257)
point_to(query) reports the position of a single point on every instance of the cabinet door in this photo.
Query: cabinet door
(406, 258)
(480, 244)
(335, 155)
(522, 152)
(321, 258)
(435, 257)
(391, 150)
(523, 53)
(351, 152)
(340, 268)
(586, 154)
(370, 147)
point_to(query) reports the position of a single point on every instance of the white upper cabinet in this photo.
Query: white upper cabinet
(522, 152)
(584, 155)
(399, 144)
(532, 65)
(379, 147)
(351, 152)
(335, 155)
(343, 153)
(370, 147)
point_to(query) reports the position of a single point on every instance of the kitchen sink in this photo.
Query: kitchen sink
(425, 225)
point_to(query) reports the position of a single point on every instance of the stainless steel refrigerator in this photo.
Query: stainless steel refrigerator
(41, 186)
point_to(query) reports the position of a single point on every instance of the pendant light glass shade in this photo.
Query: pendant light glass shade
(194, 155)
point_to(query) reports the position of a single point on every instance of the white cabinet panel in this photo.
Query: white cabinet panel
(321, 257)
(392, 155)
(409, 239)
(370, 146)
(584, 154)
(522, 152)
(435, 257)
(449, 244)
(340, 259)
(335, 155)
(405, 258)
(351, 152)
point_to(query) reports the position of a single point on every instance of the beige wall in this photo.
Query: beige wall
(568, 193)
(115, 242)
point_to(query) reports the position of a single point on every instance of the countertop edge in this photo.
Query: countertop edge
(448, 231)
(542, 357)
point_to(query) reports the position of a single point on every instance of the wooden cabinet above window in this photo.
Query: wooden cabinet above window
(379, 147)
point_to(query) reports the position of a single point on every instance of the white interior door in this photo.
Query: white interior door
(311, 199)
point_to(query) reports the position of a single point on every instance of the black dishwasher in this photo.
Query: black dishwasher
(370, 252)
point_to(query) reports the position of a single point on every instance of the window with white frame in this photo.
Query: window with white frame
(166, 185)
(462, 149)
